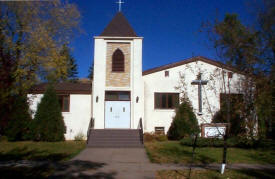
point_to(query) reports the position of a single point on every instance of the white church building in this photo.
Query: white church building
(122, 94)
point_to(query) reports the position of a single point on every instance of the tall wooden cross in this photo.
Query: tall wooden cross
(119, 5)
(199, 82)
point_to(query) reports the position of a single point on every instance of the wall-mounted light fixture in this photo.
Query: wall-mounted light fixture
(137, 98)
(96, 99)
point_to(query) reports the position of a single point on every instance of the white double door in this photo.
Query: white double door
(117, 114)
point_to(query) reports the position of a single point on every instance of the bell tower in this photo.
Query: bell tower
(118, 91)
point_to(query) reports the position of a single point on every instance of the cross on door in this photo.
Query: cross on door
(199, 82)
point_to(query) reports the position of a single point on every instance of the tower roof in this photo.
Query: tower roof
(119, 27)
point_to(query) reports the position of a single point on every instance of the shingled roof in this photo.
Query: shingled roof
(119, 27)
(189, 60)
(64, 88)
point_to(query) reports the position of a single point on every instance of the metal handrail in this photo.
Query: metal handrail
(91, 126)
(140, 126)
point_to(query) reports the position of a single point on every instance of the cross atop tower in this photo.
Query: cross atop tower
(119, 5)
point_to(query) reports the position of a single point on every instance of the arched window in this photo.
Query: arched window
(118, 61)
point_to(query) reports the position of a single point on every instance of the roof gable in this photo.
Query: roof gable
(119, 27)
(189, 60)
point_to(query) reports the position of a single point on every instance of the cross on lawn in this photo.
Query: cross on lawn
(119, 5)
(199, 82)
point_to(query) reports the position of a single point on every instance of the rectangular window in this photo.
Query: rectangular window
(159, 130)
(166, 100)
(166, 73)
(117, 96)
(64, 101)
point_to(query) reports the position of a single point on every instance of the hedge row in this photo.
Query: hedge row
(231, 142)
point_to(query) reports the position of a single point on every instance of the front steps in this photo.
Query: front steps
(113, 138)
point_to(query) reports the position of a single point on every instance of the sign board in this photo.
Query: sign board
(212, 130)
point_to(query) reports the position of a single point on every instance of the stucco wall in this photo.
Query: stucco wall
(157, 82)
(137, 84)
(77, 120)
(100, 83)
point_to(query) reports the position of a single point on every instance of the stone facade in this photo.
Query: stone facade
(118, 79)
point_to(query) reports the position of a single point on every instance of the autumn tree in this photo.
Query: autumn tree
(71, 65)
(265, 100)
(237, 46)
(31, 36)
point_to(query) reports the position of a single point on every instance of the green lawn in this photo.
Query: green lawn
(229, 174)
(51, 151)
(173, 152)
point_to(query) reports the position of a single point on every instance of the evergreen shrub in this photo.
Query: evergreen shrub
(184, 123)
(48, 123)
(20, 119)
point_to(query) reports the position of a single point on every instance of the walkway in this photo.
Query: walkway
(116, 163)
(134, 163)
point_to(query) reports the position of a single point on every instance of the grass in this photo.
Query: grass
(26, 172)
(229, 174)
(49, 151)
(173, 152)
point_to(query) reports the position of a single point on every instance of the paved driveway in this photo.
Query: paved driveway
(118, 162)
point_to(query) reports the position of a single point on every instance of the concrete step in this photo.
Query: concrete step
(114, 138)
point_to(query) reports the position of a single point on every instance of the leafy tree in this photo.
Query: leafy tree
(18, 126)
(48, 122)
(71, 65)
(31, 36)
(184, 123)
(265, 85)
(236, 121)
(266, 23)
(237, 45)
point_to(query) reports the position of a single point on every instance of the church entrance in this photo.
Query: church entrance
(117, 109)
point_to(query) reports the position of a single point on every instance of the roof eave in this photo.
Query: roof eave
(116, 37)
(189, 60)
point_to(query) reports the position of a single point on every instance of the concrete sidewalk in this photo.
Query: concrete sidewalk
(134, 163)
(121, 162)
(118, 163)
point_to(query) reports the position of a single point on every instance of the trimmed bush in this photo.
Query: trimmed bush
(184, 123)
(3, 138)
(150, 137)
(161, 138)
(48, 124)
(202, 142)
(20, 119)
(239, 142)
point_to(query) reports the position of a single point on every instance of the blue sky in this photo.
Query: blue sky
(170, 27)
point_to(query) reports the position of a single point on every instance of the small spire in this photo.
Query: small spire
(119, 5)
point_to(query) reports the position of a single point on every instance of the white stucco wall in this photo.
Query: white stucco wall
(137, 84)
(136, 80)
(99, 82)
(77, 120)
(157, 82)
